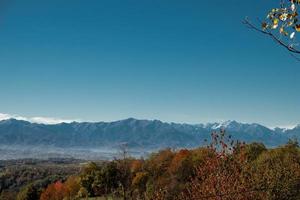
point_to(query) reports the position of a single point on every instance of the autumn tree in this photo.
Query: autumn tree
(137, 165)
(181, 166)
(253, 151)
(139, 184)
(157, 166)
(125, 175)
(158, 163)
(277, 171)
(55, 191)
(222, 175)
(72, 187)
(87, 178)
(106, 180)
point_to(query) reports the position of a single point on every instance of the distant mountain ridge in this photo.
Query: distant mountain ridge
(140, 134)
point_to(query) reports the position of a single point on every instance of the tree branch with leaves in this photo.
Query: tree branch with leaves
(282, 25)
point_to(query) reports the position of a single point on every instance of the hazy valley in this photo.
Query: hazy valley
(22, 139)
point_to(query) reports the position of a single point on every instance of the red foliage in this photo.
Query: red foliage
(55, 191)
(221, 176)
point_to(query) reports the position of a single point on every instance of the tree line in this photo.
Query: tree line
(226, 169)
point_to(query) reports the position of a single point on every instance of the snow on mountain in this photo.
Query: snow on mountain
(228, 125)
(140, 135)
(38, 120)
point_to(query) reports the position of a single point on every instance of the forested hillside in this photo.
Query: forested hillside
(225, 169)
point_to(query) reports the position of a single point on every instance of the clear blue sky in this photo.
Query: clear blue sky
(183, 61)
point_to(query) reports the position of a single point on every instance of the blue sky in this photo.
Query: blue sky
(182, 61)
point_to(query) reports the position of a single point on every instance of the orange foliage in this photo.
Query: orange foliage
(72, 186)
(59, 190)
(136, 166)
(159, 163)
(178, 159)
(55, 191)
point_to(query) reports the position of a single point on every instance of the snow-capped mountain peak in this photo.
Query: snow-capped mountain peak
(38, 120)
(225, 125)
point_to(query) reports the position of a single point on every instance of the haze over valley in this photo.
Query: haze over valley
(103, 140)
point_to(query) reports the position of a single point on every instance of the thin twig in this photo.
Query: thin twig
(270, 34)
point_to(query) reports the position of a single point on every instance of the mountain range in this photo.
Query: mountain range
(139, 135)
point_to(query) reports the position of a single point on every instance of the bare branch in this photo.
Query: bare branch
(290, 48)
